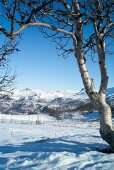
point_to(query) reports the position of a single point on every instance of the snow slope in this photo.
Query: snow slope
(54, 145)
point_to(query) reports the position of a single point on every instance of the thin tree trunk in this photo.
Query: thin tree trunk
(106, 129)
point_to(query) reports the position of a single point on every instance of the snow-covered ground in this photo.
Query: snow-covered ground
(52, 144)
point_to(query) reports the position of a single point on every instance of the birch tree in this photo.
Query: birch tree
(67, 23)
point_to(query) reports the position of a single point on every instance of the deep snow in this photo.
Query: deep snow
(51, 144)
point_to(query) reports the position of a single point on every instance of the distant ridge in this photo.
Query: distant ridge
(34, 101)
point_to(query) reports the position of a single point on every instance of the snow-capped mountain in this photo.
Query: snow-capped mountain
(48, 96)
(29, 101)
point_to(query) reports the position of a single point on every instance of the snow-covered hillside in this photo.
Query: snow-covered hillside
(41, 142)
(29, 101)
(53, 144)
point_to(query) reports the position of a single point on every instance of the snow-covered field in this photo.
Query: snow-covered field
(51, 144)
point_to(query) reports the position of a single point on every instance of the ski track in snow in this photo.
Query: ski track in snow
(53, 145)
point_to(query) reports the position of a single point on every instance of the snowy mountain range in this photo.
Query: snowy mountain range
(29, 101)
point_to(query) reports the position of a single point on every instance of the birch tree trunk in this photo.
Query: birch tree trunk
(106, 128)
(98, 99)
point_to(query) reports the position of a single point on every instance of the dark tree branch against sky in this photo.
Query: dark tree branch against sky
(7, 48)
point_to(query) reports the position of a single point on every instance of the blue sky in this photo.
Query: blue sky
(38, 65)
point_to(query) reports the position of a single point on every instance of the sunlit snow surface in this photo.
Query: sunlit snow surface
(49, 144)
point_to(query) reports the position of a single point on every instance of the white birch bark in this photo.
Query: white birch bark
(99, 99)
(106, 128)
(87, 81)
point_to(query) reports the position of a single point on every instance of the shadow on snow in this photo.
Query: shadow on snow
(41, 150)
(52, 145)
